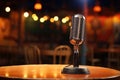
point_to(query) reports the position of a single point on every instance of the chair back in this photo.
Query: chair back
(91, 55)
(114, 56)
(32, 54)
(61, 53)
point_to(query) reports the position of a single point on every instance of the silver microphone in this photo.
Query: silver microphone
(76, 38)
(77, 29)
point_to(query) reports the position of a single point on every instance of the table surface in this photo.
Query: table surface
(49, 71)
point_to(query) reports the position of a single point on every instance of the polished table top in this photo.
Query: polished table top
(49, 71)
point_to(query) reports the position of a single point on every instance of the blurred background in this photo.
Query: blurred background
(46, 23)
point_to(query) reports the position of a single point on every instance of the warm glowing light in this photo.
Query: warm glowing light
(35, 17)
(51, 20)
(41, 74)
(42, 20)
(26, 14)
(97, 8)
(70, 24)
(7, 9)
(67, 18)
(64, 20)
(56, 18)
(38, 6)
(116, 19)
(55, 75)
(34, 76)
(25, 75)
(46, 17)
(6, 74)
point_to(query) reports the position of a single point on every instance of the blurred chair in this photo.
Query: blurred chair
(32, 54)
(114, 56)
(90, 55)
(62, 52)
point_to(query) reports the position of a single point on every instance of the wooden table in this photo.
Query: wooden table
(53, 72)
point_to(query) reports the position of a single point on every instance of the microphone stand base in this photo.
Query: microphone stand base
(75, 70)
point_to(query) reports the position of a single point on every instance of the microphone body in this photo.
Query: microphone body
(77, 30)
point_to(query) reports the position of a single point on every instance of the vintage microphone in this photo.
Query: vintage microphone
(77, 32)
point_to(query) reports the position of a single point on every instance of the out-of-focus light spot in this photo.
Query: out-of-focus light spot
(64, 20)
(26, 14)
(115, 19)
(6, 74)
(35, 17)
(25, 75)
(38, 6)
(56, 18)
(70, 24)
(34, 76)
(46, 17)
(51, 20)
(41, 74)
(55, 75)
(67, 18)
(42, 20)
(97, 8)
(7, 9)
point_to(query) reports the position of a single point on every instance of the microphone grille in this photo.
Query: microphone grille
(77, 29)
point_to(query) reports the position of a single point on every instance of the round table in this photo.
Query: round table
(53, 72)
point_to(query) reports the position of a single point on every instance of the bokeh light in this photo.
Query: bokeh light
(35, 17)
(26, 14)
(56, 18)
(38, 6)
(42, 20)
(7, 9)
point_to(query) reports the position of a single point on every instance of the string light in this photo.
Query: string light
(67, 18)
(51, 20)
(63, 20)
(56, 18)
(42, 20)
(46, 17)
(26, 14)
(7, 9)
(35, 17)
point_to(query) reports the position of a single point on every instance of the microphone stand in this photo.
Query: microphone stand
(75, 69)
(76, 56)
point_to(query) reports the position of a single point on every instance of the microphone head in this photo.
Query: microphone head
(77, 29)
